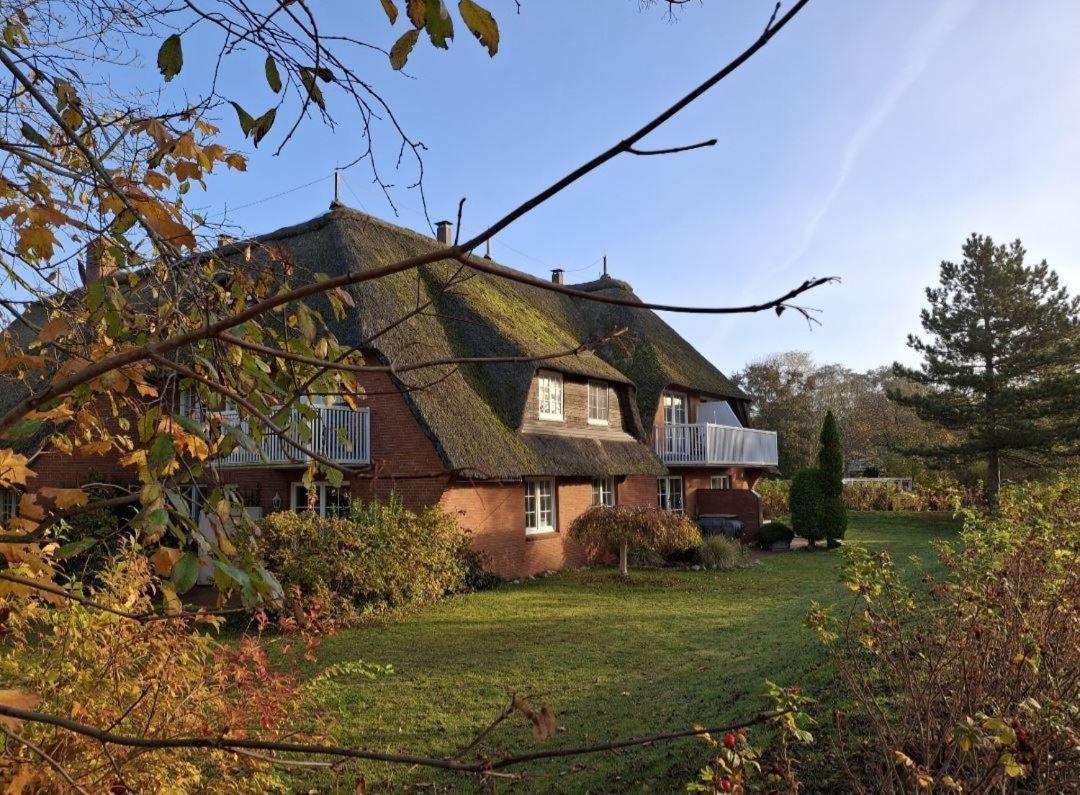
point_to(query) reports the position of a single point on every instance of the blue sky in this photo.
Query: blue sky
(866, 142)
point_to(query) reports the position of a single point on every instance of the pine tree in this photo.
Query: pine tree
(1001, 365)
(832, 515)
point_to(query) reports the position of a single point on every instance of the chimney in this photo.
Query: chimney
(557, 276)
(100, 262)
(225, 240)
(444, 232)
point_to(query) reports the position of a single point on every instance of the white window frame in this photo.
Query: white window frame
(9, 504)
(322, 488)
(603, 492)
(600, 399)
(535, 496)
(676, 408)
(669, 493)
(720, 482)
(549, 395)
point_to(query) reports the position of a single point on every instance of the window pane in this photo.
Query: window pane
(530, 504)
(9, 504)
(301, 498)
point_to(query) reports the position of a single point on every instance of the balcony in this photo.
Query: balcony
(338, 433)
(707, 444)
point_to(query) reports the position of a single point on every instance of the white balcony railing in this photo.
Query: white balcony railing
(338, 433)
(714, 445)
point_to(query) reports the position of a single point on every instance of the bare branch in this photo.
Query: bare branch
(481, 766)
(673, 150)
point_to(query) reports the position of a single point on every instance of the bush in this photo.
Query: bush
(774, 533)
(940, 493)
(157, 680)
(624, 527)
(931, 493)
(988, 701)
(805, 498)
(382, 556)
(774, 497)
(720, 552)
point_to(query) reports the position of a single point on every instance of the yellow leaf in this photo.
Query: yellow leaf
(35, 242)
(64, 498)
(61, 412)
(13, 469)
(164, 559)
(28, 507)
(19, 700)
(173, 605)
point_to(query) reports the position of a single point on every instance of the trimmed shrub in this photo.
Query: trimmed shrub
(382, 556)
(720, 552)
(774, 497)
(624, 527)
(774, 533)
(831, 513)
(805, 498)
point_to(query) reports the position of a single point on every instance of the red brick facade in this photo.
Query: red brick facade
(405, 460)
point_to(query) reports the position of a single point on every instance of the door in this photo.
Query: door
(676, 434)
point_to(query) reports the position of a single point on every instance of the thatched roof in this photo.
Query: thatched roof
(473, 416)
(661, 358)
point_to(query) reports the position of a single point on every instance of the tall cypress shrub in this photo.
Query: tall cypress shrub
(804, 500)
(831, 513)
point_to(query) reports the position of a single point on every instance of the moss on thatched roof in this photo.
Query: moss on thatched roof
(660, 359)
(474, 415)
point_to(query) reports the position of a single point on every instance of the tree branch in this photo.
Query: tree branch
(481, 766)
(673, 150)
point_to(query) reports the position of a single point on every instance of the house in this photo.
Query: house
(517, 450)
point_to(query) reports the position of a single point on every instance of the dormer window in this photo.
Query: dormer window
(675, 408)
(549, 390)
(599, 403)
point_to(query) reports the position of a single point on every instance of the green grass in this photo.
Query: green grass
(667, 651)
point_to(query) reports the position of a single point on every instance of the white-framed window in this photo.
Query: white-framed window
(549, 390)
(676, 410)
(720, 482)
(603, 492)
(599, 403)
(9, 504)
(539, 506)
(323, 499)
(669, 493)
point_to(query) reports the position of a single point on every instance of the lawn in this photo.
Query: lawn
(667, 651)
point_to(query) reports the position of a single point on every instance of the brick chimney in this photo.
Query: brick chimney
(444, 232)
(558, 276)
(100, 262)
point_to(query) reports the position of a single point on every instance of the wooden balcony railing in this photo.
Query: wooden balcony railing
(338, 433)
(715, 445)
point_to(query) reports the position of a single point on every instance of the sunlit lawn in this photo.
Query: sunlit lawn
(669, 650)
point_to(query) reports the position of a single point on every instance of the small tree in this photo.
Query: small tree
(804, 499)
(831, 513)
(622, 527)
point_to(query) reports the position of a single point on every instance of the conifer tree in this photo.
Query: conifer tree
(1001, 363)
(832, 515)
